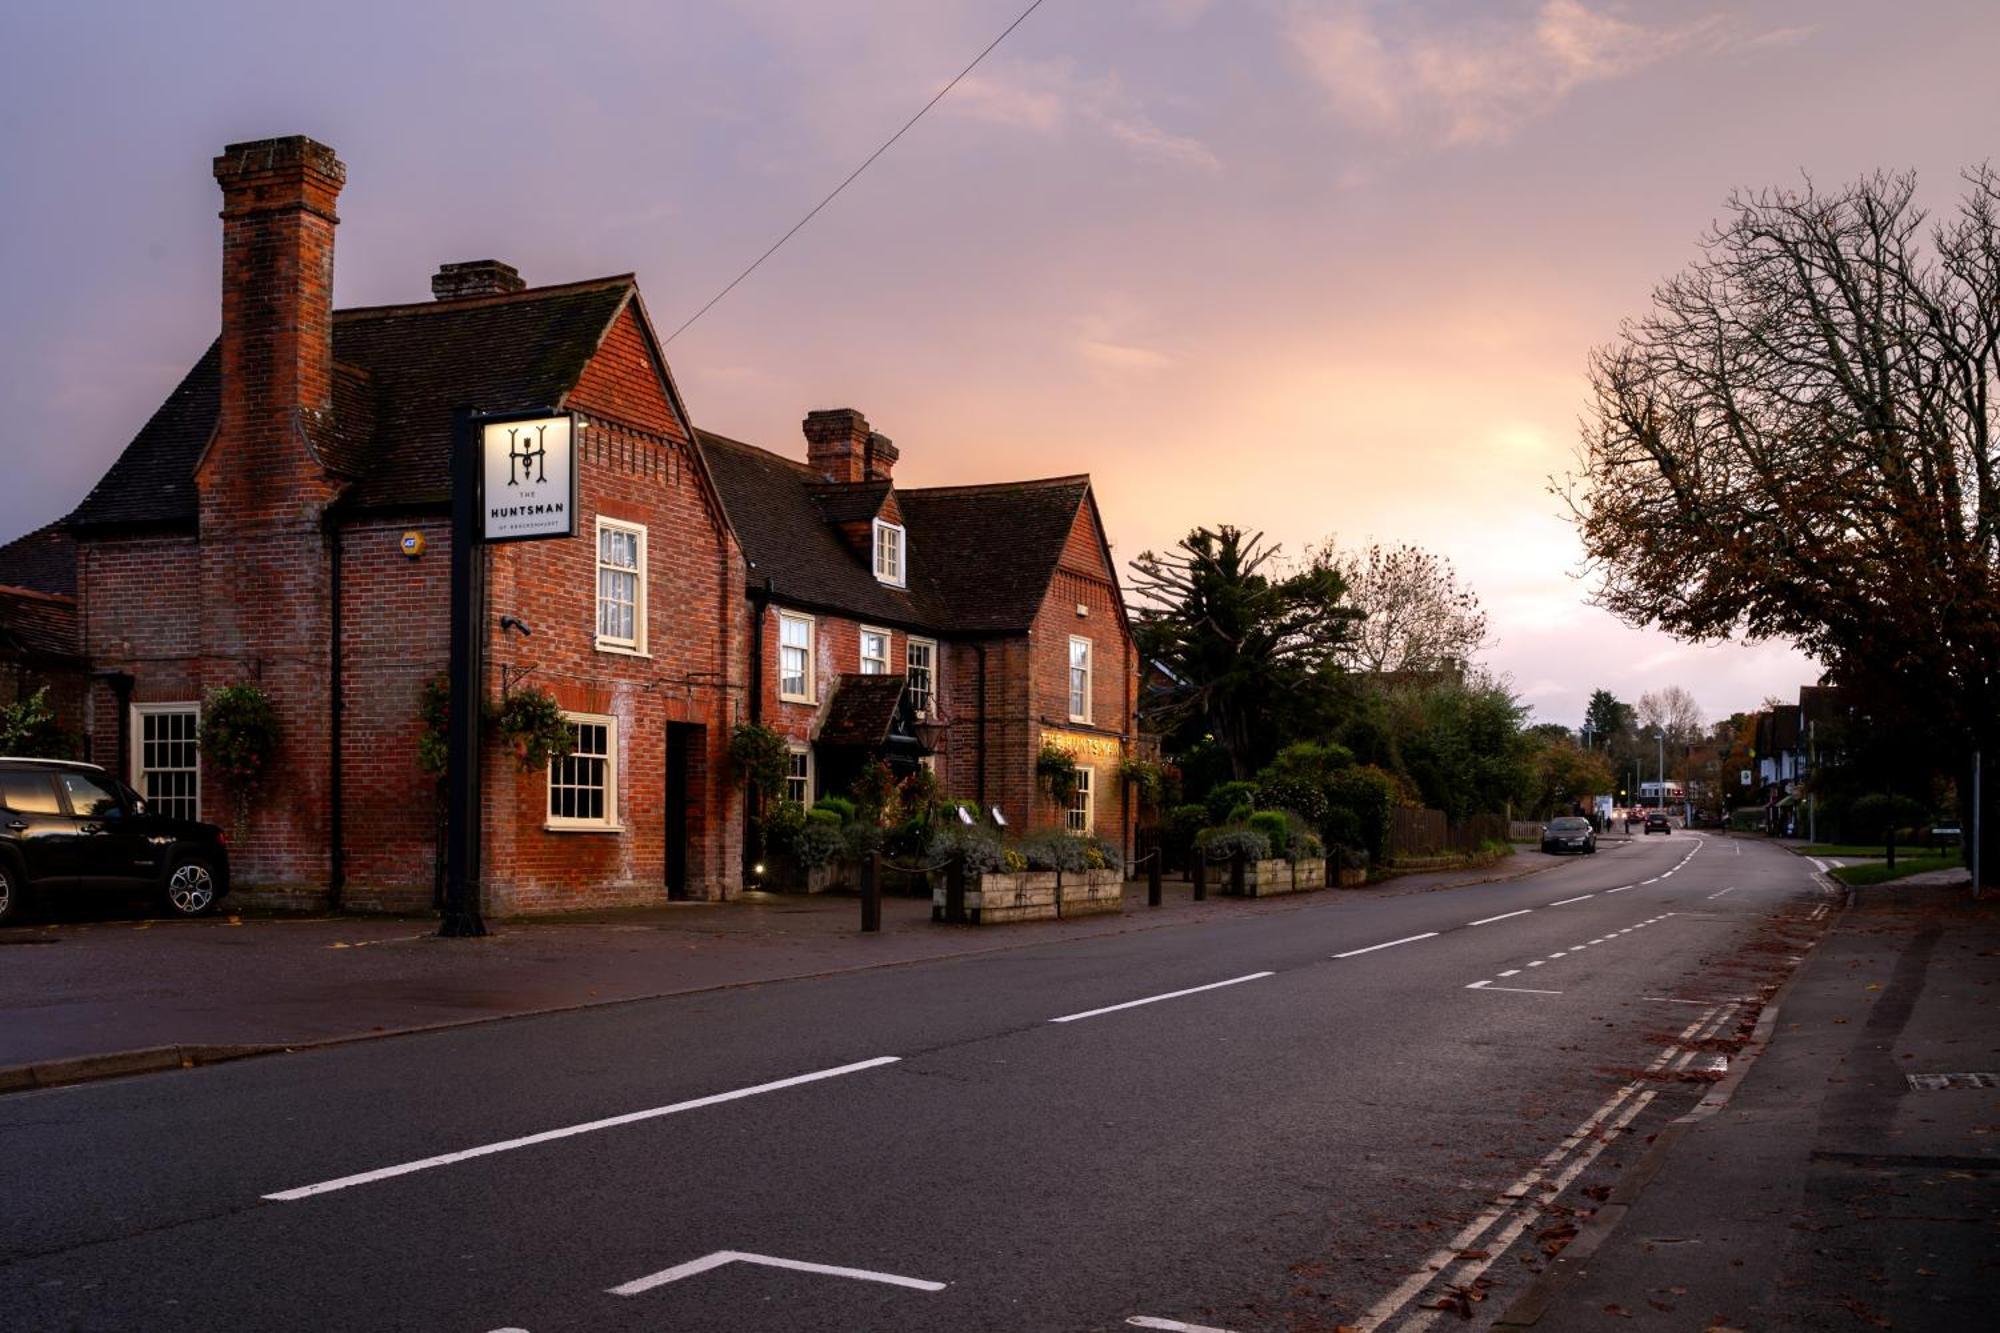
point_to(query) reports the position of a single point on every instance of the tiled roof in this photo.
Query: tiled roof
(38, 624)
(862, 710)
(44, 560)
(980, 557)
(399, 372)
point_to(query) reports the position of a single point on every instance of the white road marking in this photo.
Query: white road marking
(1559, 953)
(1477, 985)
(702, 1265)
(1730, 889)
(1155, 999)
(1567, 901)
(1621, 888)
(1664, 999)
(1502, 917)
(1511, 972)
(1598, 1130)
(1654, 880)
(1536, 963)
(1518, 990)
(568, 1131)
(1148, 1321)
(1407, 939)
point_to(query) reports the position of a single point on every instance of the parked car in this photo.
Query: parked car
(1656, 822)
(69, 829)
(1569, 834)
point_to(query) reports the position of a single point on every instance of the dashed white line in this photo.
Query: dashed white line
(1155, 999)
(708, 1261)
(1621, 888)
(1487, 921)
(1407, 939)
(1536, 963)
(1567, 901)
(568, 1131)
(1148, 1321)
(1511, 972)
(1516, 990)
(1730, 889)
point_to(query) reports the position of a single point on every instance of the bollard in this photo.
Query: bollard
(871, 893)
(954, 890)
(1153, 881)
(1200, 875)
(1236, 873)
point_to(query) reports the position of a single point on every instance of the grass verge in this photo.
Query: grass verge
(1858, 877)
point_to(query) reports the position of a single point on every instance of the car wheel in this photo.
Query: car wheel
(10, 892)
(191, 888)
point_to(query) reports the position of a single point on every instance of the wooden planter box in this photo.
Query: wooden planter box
(1353, 879)
(1034, 895)
(835, 874)
(1267, 879)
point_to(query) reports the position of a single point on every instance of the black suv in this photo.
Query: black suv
(70, 827)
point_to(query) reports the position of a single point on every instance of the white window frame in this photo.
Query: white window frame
(139, 770)
(1069, 679)
(811, 651)
(606, 643)
(895, 571)
(569, 823)
(926, 705)
(799, 752)
(1080, 816)
(861, 649)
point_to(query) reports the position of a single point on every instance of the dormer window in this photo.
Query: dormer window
(890, 559)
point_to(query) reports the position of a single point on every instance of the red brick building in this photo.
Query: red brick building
(991, 612)
(283, 520)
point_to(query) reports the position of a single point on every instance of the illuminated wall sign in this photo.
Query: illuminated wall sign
(1082, 745)
(528, 478)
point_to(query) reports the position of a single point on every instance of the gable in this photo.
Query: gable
(622, 380)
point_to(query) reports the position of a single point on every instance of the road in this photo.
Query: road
(1348, 1115)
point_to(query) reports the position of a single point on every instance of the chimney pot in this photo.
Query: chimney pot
(475, 277)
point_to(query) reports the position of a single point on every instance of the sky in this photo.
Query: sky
(1317, 268)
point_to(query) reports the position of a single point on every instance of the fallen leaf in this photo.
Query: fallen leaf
(1618, 1310)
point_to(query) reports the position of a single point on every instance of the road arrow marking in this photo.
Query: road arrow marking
(721, 1257)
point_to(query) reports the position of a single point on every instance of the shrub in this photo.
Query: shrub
(1101, 854)
(819, 814)
(1240, 814)
(909, 839)
(1870, 817)
(1149, 778)
(1370, 794)
(1183, 823)
(1227, 796)
(1222, 844)
(1012, 862)
(1275, 827)
(759, 758)
(981, 849)
(531, 721)
(861, 839)
(434, 709)
(1053, 850)
(1055, 771)
(781, 824)
(817, 843)
(839, 807)
(1342, 828)
(28, 728)
(874, 793)
(239, 735)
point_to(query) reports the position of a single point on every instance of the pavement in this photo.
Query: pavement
(1845, 1177)
(108, 997)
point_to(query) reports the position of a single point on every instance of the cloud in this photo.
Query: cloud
(1121, 356)
(1050, 98)
(1473, 84)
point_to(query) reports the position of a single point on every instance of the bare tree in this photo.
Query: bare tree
(1799, 441)
(1673, 713)
(1418, 617)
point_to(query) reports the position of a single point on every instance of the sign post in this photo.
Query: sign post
(513, 478)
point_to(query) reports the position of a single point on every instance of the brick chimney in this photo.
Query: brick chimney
(277, 319)
(475, 277)
(840, 447)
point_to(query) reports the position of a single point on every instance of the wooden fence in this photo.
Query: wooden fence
(1420, 833)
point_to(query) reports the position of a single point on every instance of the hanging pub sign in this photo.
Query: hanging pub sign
(527, 478)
